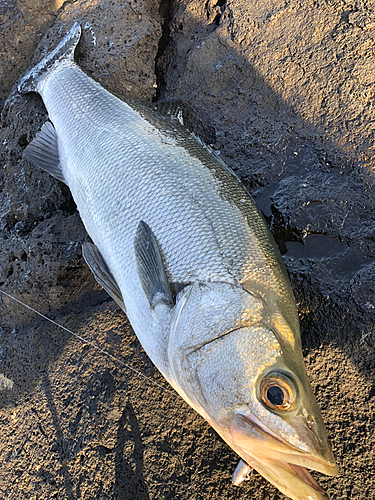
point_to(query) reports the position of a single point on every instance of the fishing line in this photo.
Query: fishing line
(102, 351)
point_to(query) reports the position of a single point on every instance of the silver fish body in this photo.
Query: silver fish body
(141, 182)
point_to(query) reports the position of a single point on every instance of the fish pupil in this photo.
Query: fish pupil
(275, 395)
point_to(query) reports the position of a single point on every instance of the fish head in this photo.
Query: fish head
(234, 360)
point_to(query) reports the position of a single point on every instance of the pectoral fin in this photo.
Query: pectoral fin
(44, 153)
(102, 273)
(151, 267)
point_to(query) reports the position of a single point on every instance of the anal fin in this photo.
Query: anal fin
(151, 267)
(102, 273)
(43, 152)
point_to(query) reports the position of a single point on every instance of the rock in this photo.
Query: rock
(283, 91)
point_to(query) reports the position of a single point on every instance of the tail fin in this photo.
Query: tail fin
(64, 50)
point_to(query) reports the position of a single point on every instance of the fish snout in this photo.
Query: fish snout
(251, 435)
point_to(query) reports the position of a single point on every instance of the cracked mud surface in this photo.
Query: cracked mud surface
(285, 91)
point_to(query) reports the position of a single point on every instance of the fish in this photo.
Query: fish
(179, 244)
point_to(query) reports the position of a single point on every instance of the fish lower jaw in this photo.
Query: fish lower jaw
(294, 481)
(265, 444)
(243, 471)
(294, 460)
(284, 468)
(308, 479)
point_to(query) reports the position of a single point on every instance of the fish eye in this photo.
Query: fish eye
(278, 391)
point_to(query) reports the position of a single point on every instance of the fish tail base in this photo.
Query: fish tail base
(64, 51)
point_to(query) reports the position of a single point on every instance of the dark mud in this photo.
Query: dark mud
(285, 91)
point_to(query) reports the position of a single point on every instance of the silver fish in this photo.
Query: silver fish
(183, 249)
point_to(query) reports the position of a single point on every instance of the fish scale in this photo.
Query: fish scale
(140, 171)
(183, 249)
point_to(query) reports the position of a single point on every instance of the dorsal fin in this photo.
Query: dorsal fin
(170, 108)
(44, 153)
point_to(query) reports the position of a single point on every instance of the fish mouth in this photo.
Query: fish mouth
(282, 464)
(307, 478)
(293, 480)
